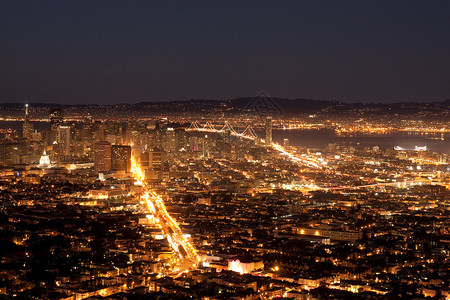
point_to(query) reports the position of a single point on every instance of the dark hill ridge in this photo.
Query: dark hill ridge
(282, 106)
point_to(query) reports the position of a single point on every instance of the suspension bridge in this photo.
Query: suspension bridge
(248, 132)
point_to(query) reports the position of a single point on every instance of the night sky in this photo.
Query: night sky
(132, 51)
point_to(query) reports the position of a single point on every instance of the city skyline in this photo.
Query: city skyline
(219, 205)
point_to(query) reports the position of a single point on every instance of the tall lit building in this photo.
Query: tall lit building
(156, 159)
(268, 130)
(168, 139)
(205, 152)
(102, 157)
(286, 144)
(154, 162)
(153, 159)
(27, 129)
(144, 159)
(121, 157)
(56, 118)
(63, 140)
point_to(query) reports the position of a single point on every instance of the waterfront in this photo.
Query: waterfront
(321, 138)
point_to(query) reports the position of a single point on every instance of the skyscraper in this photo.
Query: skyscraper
(121, 157)
(27, 128)
(155, 164)
(168, 139)
(156, 159)
(268, 130)
(63, 140)
(56, 118)
(102, 157)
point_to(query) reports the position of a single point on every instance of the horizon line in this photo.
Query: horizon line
(219, 100)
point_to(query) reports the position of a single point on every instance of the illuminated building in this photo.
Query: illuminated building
(63, 140)
(44, 161)
(27, 129)
(144, 159)
(205, 146)
(121, 157)
(168, 140)
(156, 159)
(338, 235)
(56, 118)
(268, 130)
(152, 162)
(102, 157)
(180, 139)
(245, 267)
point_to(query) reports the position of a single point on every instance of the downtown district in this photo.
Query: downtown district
(168, 209)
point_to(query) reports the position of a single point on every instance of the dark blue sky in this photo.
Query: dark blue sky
(132, 51)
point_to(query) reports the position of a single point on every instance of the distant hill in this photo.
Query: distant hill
(244, 105)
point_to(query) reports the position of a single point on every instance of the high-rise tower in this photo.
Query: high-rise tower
(63, 140)
(26, 113)
(102, 157)
(27, 128)
(56, 118)
(168, 139)
(121, 157)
